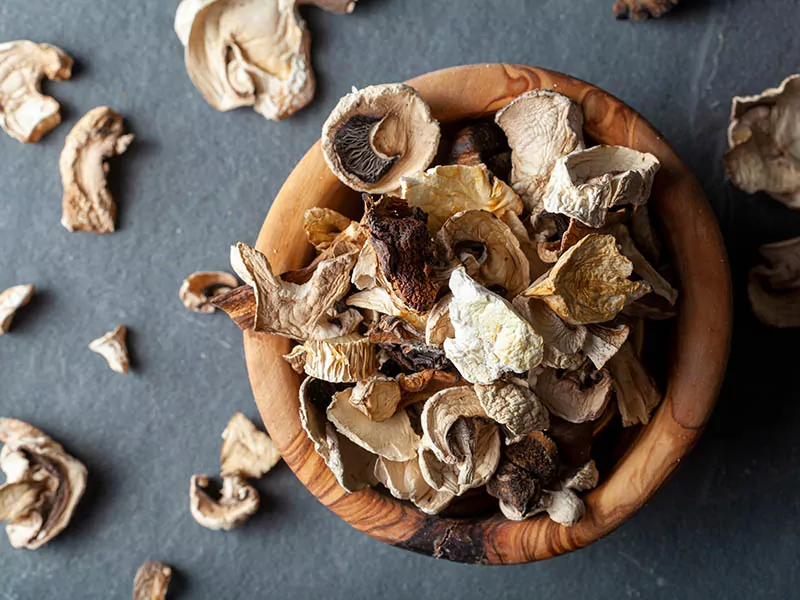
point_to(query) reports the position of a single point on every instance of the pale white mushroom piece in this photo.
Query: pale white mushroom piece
(393, 438)
(25, 113)
(441, 412)
(764, 142)
(586, 183)
(379, 134)
(200, 287)
(641, 266)
(541, 127)
(323, 225)
(404, 480)
(514, 406)
(446, 190)
(237, 502)
(376, 397)
(603, 342)
(636, 391)
(151, 581)
(246, 451)
(87, 204)
(113, 347)
(11, 300)
(774, 285)
(365, 273)
(345, 359)
(43, 485)
(570, 397)
(438, 326)
(490, 337)
(563, 506)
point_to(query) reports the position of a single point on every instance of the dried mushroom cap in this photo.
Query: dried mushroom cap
(764, 142)
(487, 248)
(482, 142)
(515, 407)
(237, 502)
(351, 465)
(246, 451)
(490, 337)
(603, 342)
(541, 127)
(152, 580)
(586, 183)
(393, 438)
(377, 397)
(25, 113)
(32, 459)
(637, 394)
(379, 134)
(298, 311)
(349, 358)
(774, 285)
(589, 283)
(642, 267)
(404, 480)
(323, 226)
(575, 396)
(565, 338)
(87, 204)
(444, 191)
(642, 9)
(440, 414)
(11, 300)
(200, 287)
(438, 326)
(113, 347)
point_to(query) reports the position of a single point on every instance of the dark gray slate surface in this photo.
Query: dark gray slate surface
(196, 181)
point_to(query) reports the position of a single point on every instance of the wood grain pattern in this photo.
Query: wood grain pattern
(697, 364)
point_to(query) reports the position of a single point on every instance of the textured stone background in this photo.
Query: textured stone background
(196, 181)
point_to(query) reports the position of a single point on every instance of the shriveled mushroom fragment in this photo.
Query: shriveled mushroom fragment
(377, 397)
(636, 391)
(246, 451)
(589, 283)
(575, 396)
(490, 337)
(443, 191)
(236, 503)
(514, 406)
(199, 287)
(438, 326)
(603, 342)
(43, 485)
(113, 347)
(348, 358)
(323, 226)
(87, 204)
(25, 113)
(365, 272)
(566, 338)
(642, 266)
(642, 9)
(482, 142)
(586, 183)
(774, 285)
(379, 134)
(11, 300)
(764, 142)
(152, 580)
(405, 481)
(541, 127)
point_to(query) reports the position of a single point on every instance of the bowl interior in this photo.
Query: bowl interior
(696, 360)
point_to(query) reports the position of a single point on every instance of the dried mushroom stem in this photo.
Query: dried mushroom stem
(11, 300)
(642, 9)
(151, 581)
(200, 287)
(113, 347)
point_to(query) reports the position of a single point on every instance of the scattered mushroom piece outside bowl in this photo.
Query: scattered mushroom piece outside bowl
(642, 458)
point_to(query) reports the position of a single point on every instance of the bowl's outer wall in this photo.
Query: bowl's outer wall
(698, 358)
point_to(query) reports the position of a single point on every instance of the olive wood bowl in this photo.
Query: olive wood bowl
(696, 364)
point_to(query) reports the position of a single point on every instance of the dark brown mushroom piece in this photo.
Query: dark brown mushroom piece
(482, 142)
(642, 9)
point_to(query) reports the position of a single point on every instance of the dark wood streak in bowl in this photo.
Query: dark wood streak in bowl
(697, 361)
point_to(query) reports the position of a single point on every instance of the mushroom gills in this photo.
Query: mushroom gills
(354, 143)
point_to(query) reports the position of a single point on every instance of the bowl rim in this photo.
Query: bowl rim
(697, 363)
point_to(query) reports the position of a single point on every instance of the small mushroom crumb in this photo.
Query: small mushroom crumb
(377, 397)
(642, 9)
(236, 502)
(11, 300)
(200, 287)
(151, 581)
(87, 203)
(774, 285)
(246, 451)
(25, 113)
(113, 347)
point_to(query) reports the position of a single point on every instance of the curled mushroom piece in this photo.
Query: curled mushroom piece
(378, 397)
(541, 127)
(379, 134)
(11, 300)
(642, 9)
(246, 451)
(576, 396)
(87, 204)
(405, 481)
(346, 359)
(514, 406)
(152, 580)
(236, 503)
(43, 485)
(637, 394)
(323, 226)
(113, 347)
(25, 113)
(586, 183)
(200, 287)
(444, 191)
(774, 285)
(482, 142)
(250, 53)
(764, 142)
(603, 342)
(563, 337)
(438, 326)
(642, 267)
(589, 283)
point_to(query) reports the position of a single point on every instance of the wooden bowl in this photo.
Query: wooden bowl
(697, 364)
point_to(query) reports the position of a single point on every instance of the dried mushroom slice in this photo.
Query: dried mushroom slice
(404, 480)
(246, 451)
(298, 311)
(87, 204)
(444, 191)
(576, 396)
(603, 342)
(541, 126)
(151, 581)
(774, 285)
(377, 135)
(378, 397)
(586, 183)
(25, 113)
(764, 142)
(440, 414)
(490, 337)
(642, 267)
(589, 283)
(200, 287)
(482, 142)
(114, 348)
(43, 485)
(323, 226)
(11, 300)
(563, 337)
(642, 9)
(537, 266)
(347, 359)
(487, 249)
(236, 503)
(637, 394)
(365, 273)
(514, 406)
(438, 326)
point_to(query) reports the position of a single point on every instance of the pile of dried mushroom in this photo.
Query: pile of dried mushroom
(479, 307)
